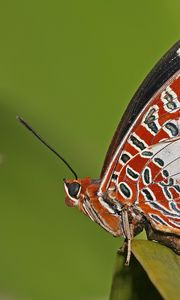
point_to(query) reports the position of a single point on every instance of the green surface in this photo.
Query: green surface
(69, 68)
(153, 273)
(162, 266)
(132, 283)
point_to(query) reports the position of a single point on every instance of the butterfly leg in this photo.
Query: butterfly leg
(123, 248)
(127, 228)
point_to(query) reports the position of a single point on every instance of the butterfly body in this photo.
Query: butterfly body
(105, 209)
(139, 186)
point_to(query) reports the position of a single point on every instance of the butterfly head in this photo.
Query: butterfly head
(75, 190)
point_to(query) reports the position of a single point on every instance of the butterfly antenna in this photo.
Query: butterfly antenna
(23, 122)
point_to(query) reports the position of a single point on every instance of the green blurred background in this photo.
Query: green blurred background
(69, 68)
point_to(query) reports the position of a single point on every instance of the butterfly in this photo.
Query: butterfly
(139, 185)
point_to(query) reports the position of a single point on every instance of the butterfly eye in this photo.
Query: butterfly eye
(74, 189)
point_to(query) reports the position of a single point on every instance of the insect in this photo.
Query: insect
(139, 185)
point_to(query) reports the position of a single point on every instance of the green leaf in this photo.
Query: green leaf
(154, 273)
(131, 283)
(162, 266)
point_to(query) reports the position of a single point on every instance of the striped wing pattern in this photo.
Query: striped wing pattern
(159, 186)
(151, 182)
(146, 169)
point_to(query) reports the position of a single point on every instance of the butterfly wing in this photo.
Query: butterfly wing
(151, 116)
(152, 178)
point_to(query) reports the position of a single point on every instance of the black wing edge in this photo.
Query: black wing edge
(166, 67)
